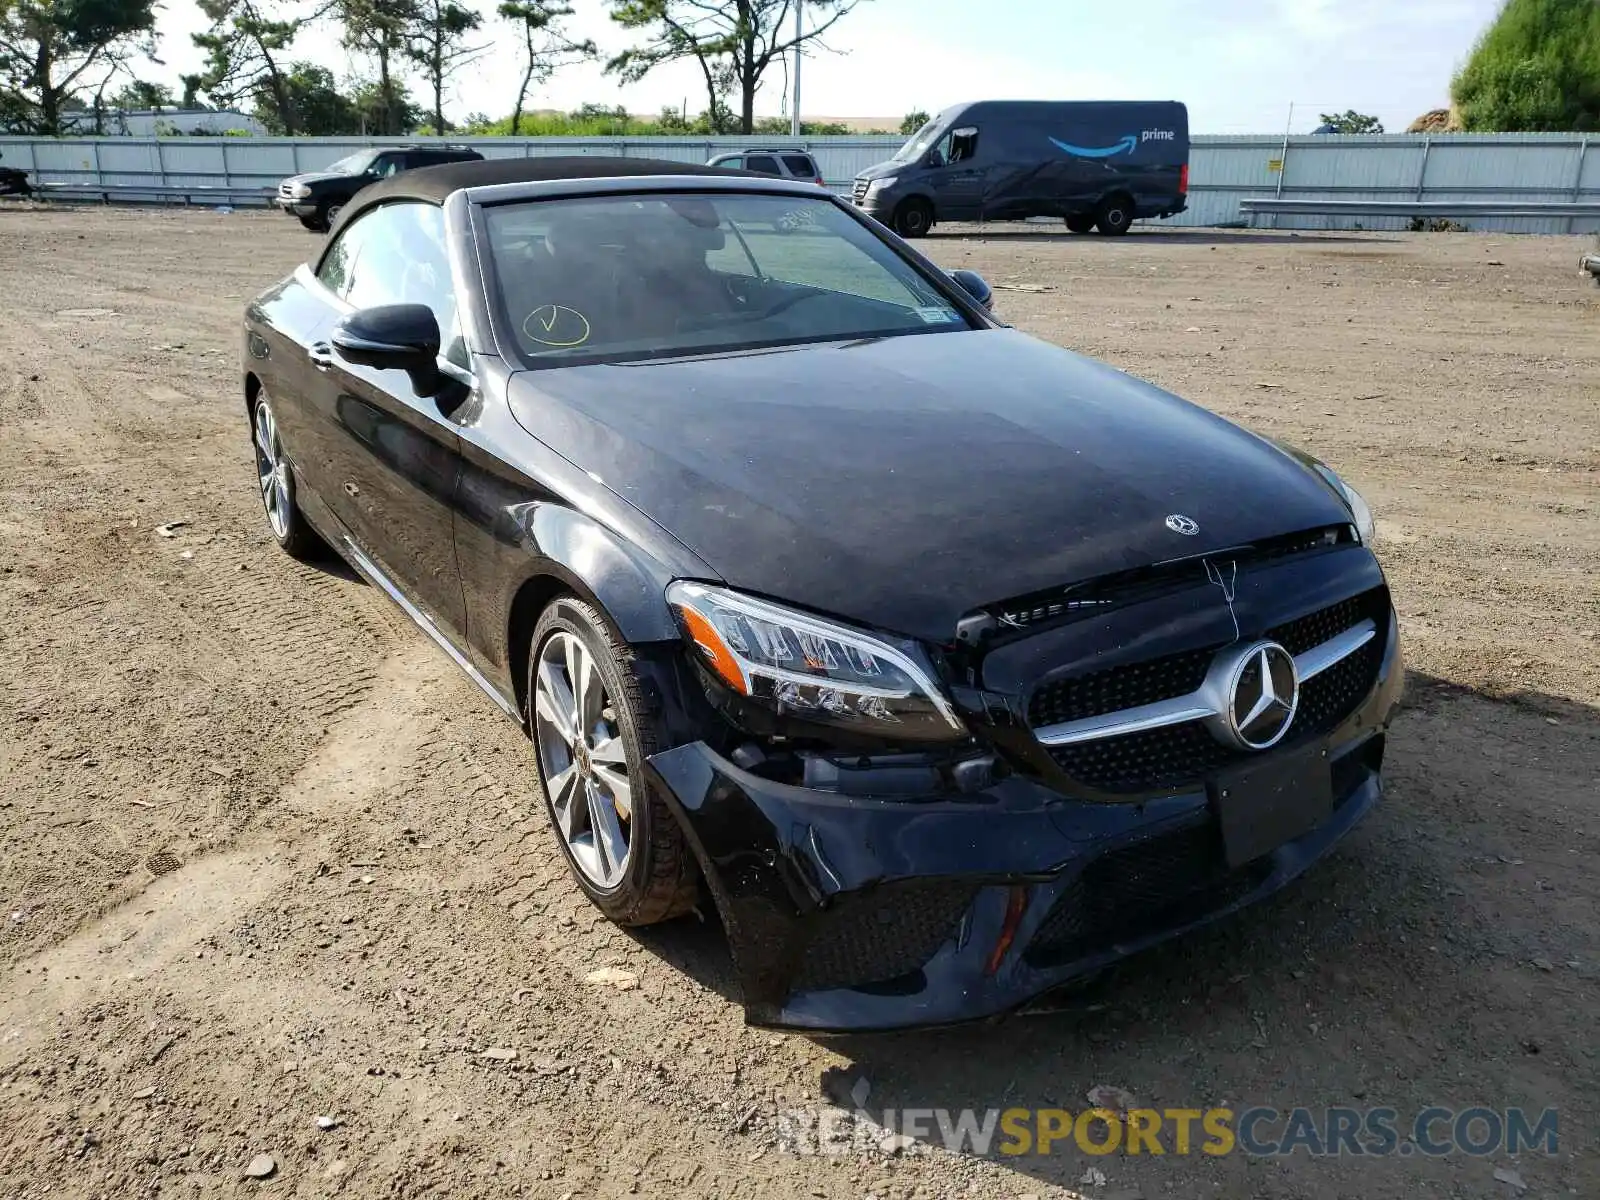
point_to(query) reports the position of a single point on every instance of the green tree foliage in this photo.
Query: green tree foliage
(246, 48)
(380, 29)
(546, 46)
(50, 50)
(384, 108)
(732, 41)
(315, 99)
(1350, 121)
(437, 43)
(141, 93)
(914, 120)
(1537, 68)
(780, 125)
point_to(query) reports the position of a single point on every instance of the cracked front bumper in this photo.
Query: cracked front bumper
(847, 913)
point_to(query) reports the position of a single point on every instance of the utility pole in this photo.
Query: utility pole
(794, 112)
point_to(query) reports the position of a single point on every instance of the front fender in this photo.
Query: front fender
(530, 524)
(593, 561)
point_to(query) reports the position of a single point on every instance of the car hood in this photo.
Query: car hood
(316, 177)
(903, 482)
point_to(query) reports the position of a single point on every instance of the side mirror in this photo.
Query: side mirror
(975, 286)
(935, 159)
(393, 337)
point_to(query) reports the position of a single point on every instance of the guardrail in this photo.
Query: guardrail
(166, 193)
(1420, 208)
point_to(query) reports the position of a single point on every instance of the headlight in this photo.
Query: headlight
(1359, 512)
(812, 670)
(888, 181)
(301, 191)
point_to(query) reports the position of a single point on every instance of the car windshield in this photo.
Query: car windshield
(919, 143)
(353, 164)
(614, 278)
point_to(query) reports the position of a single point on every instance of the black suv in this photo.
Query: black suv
(317, 196)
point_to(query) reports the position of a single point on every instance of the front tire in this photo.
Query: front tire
(914, 218)
(275, 475)
(1114, 217)
(592, 730)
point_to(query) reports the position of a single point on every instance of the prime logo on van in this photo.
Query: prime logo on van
(1125, 145)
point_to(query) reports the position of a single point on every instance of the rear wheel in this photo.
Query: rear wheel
(913, 218)
(592, 730)
(276, 478)
(1114, 217)
(1080, 223)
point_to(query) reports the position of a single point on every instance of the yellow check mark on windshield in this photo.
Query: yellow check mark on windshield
(556, 325)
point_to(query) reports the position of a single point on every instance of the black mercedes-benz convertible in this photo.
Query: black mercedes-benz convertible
(951, 665)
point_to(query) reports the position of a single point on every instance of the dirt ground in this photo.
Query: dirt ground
(266, 856)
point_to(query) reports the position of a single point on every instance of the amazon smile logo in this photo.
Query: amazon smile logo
(556, 325)
(1124, 145)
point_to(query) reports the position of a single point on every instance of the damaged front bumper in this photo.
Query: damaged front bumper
(850, 913)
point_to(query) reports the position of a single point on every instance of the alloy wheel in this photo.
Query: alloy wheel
(273, 470)
(582, 761)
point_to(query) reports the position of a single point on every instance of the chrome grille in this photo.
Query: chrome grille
(1118, 688)
(1179, 751)
(860, 191)
(1323, 625)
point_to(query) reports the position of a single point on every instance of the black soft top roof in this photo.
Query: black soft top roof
(433, 184)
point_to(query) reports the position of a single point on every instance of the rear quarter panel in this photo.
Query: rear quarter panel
(278, 326)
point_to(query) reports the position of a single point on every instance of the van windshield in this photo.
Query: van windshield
(919, 143)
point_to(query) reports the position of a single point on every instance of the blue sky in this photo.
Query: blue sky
(1238, 64)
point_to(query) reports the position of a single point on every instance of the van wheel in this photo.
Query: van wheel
(913, 218)
(1114, 216)
(1080, 223)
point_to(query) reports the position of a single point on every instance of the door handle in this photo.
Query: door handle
(321, 356)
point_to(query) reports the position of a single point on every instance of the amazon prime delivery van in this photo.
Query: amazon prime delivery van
(1096, 164)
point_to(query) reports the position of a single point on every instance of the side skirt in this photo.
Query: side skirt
(371, 572)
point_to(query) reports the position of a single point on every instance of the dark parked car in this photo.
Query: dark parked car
(14, 182)
(951, 664)
(318, 197)
(1095, 164)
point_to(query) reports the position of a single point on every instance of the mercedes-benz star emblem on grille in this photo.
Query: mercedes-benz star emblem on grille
(1263, 694)
(1179, 523)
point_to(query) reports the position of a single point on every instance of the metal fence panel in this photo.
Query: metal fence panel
(1223, 170)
